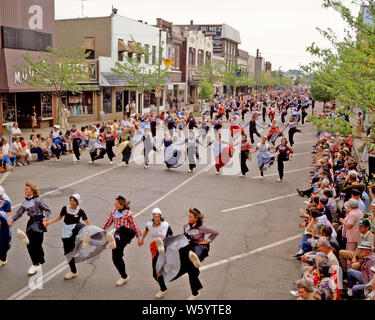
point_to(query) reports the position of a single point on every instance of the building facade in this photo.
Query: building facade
(27, 26)
(109, 40)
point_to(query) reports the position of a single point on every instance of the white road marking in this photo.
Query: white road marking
(249, 253)
(276, 174)
(4, 177)
(260, 202)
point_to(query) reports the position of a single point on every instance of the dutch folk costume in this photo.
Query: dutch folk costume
(58, 145)
(223, 152)
(148, 146)
(5, 230)
(95, 148)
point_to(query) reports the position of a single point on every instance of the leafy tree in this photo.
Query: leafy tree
(58, 70)
(206, 90)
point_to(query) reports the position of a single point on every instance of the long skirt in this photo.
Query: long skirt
(5, 236)
(265, 160)
(224, 158)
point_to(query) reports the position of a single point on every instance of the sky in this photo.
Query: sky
(280, 29)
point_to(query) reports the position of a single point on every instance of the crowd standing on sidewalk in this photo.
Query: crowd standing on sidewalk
(338, 240)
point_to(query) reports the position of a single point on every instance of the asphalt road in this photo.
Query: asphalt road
(250, 259)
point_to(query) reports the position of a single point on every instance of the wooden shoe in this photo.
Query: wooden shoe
(111, 240)
(160, 245)
(86, 241)
(23, 237)
(193, 297)
(122, 281)
(161, 294)
(194, 259)
(70, 275)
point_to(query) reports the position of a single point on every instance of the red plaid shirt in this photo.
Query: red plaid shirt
(127, 220)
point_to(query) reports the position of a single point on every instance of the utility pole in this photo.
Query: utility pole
(158, 98)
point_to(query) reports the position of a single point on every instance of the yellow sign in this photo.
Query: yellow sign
(167, 62)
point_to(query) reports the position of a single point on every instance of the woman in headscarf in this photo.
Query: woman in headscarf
(74, 236)
(159, 229)
(173, 155)
(39, 213)
(222, 151)
(264, 157)
(5, 222)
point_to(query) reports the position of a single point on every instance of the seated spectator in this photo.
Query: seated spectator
(365, 275)
(324, 272)
(17, 150)
(41, 144)
(16, 132)
(305, 288)
(26, 150)
(352, 256)
(34, 148)
(6, 156)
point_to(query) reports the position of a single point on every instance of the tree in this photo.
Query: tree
(58, 70)
(206, 90)
(212, 73)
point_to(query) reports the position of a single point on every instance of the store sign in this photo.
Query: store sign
(213, 31)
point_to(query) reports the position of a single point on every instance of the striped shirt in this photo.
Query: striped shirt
(124, 218)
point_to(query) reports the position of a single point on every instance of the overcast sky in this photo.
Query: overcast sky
(281, 29)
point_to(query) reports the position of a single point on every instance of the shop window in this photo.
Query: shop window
(46, 105)
(107, 100)
(121, 55)
(90, 54)
(80, 104)
(147, 55)
(8, 103)
(119, 101)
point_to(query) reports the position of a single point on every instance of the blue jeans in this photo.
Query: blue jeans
(38, 151)
(353, 277)
(7, 159)
(304, 240)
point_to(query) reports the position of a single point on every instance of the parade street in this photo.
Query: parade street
(257, 221)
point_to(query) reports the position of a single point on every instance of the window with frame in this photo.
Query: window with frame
(153, 54)
(176, 57)
(147, 55)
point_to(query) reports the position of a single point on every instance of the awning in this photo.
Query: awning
(89, 44)
(140, 49)
(122, 46)
(131, 47)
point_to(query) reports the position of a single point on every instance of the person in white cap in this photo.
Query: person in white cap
(159, 229)
(58, 139)
(72, 215)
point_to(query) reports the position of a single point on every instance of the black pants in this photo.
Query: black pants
(60, 147)
(4, 239)
(35, 232)
(188, 267)
(126, 154)
(108, 146)
(217, 127)
(227, 114)
(252, 135)
(283, 114)
(76, 144)
(291, 133)
(243, 157)
(264, 110)
(126, 235)
(94, 156)
(371, 167)
(69, 245)
(153, 128)
(280, 165)
(304, 114)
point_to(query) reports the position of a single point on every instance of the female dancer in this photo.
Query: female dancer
(153, 123)
(264, 157)
(222, 151)
(235, 126)
(77, 138)
(95, 148)
(172, 154)
(274, 133)
(217, 123)
(5, 222)
(192, 150)
(203, 130)
(170, 123)
(148, 145)
(191, 122)
(58, 145)
(283, 155)
(125, 147)
(186, 252)
(109, 139)
(244, 155)
(159, 229)
(292, 129)
(39, 213)
(228, 110)
(126, 228)
(72, 215)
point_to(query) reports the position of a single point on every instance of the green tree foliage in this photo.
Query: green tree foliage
(58, 70)
(206, 90)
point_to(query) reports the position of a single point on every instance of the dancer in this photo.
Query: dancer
(126, 229)
(39, 213)
(109, 139)
(95, 148)
(173, 155)
(252, 124)
(204, 128)
(292, 129)
(235, 126)
(264, 157)
(72, 215)
(217, 123)
(244, 155)
(222, 151)
(184, 253)
(170, 123)
(191, 122)
(58, 145)
(5, 222)
(284, 152)
(153, 123)
(125, 147)
(77, 138)
(159, 229)
(192, 150)
(274, 133)
(148, 146)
